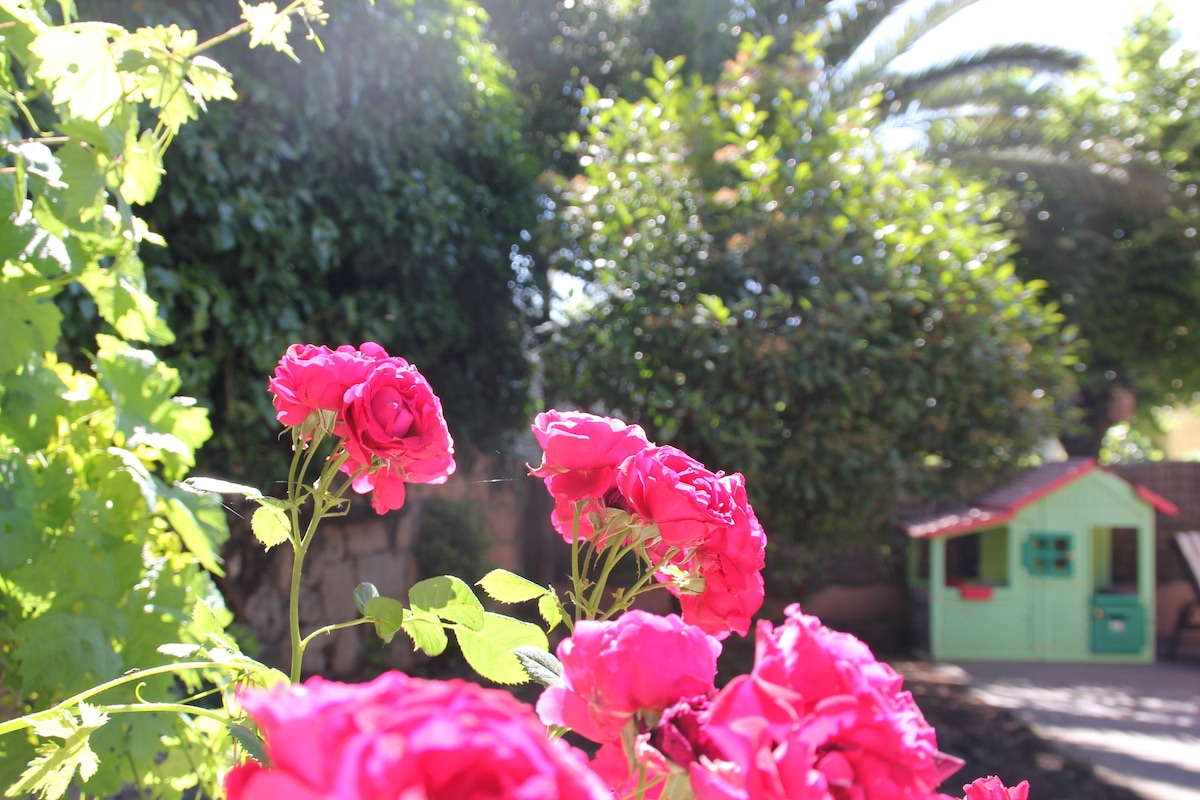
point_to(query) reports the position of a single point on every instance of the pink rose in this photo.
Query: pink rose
(312, 378)
(401, 737)
(582, 452)
(670, 489)
(728, 564)
(820, 718)
(991, 788)
(394, 417)
(613, 670)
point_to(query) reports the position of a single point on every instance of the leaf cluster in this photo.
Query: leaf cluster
(488, 640)
(104, 554)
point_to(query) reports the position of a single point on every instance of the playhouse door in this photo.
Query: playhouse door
(1059, 605)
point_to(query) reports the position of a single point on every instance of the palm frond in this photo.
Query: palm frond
(1132, 188)
(843, 30)
(906, 87)
(872, 57)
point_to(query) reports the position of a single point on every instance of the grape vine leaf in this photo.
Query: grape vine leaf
(51, 772)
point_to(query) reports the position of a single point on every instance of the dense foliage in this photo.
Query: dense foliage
(370, 193)
(104, 554)
(762, 283)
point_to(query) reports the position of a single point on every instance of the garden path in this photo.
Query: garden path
(1138, 723)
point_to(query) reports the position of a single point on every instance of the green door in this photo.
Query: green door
(1059, 607)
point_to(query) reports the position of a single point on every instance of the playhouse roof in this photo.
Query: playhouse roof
(1001, 505)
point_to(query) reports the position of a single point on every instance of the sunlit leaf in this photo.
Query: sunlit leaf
(489, 650)
(508, 587)
(448, 597)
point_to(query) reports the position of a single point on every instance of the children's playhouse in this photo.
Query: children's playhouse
(1058, 566)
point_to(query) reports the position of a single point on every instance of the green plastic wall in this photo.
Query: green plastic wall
(1034, 618)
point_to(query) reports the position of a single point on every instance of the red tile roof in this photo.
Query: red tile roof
(1001, 505)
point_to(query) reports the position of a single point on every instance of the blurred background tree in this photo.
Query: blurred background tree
(1105, 174)
(764, 284)
(371, 192)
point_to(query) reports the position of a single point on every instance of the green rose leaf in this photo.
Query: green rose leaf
(363, 594)
(427, 632)
(387, 614)
(508, 587)
(542, 666)
(251, 743)
(271, 526)
(550, 610)
(217, 486)
(489, 650)
(449, 598)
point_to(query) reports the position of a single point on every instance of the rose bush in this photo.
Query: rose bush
(817, 717)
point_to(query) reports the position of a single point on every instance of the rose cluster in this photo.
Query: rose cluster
(390, 422)
(817, 718)
(693, 526)
(408, 738)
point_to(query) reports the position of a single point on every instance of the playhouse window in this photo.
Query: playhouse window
(1115, 553)
(978, 558)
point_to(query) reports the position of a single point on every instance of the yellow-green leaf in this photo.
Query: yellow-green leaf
(270, 526)
(489, 650)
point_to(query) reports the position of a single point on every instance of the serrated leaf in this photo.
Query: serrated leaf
(427, 633)
(208, 80)
(143, 169)
(251, 743)
(76, 61)
(29, 325)
(83, 171)
(541, 665)
(50, 774)
(199, 522)
(271, 526)
(133, 466)
(363, 594)
(508, 587)
(448, 597)
(550, 610)
(269, 27)
(217, 486)
(489, 650)
(120, 294)
(387, 614)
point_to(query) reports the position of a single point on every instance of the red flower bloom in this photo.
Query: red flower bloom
(613, 670)
(401, 737)
(991, 788)
(312, 378)
(395, 428)
(819, 718)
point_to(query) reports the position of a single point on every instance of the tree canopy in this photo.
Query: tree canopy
(372, 192)
(768, 287)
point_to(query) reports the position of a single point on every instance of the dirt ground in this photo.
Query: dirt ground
(995, 742)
